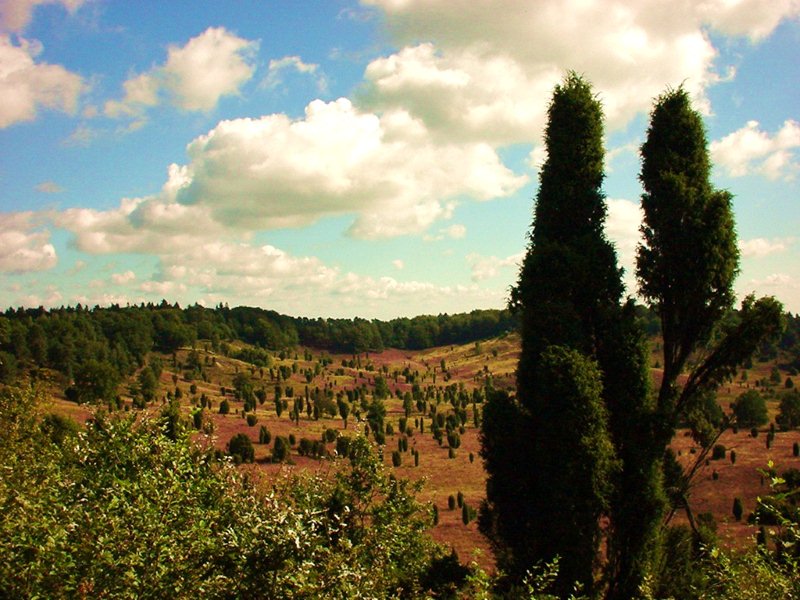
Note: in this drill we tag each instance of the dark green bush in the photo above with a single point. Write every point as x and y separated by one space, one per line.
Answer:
264 436
305 447
280 449
342 445
737 509
241 448
58 427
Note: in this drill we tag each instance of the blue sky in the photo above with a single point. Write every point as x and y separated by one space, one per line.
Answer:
375 158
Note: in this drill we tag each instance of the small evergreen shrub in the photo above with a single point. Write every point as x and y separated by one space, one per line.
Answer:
465 514
241 448
280 449
305 447
342 445
264 436
738 509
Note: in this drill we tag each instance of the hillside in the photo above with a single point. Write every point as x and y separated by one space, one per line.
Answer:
421 390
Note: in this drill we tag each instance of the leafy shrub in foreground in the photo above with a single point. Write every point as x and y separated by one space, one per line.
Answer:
95 511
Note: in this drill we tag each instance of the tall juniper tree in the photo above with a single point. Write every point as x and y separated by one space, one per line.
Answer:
686 266
580 342
688 261
568 296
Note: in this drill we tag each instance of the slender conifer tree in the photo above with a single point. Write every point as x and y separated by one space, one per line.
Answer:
568 295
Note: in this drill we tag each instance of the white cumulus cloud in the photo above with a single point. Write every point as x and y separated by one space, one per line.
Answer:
26 85
485 69
279 66
22 247
214 64
123 278
751 150
276 172
486 267
15 15
622 228
761 247
49 187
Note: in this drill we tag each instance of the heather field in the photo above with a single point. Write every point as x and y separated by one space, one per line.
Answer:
462 369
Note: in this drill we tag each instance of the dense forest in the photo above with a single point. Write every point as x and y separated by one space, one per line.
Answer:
72 340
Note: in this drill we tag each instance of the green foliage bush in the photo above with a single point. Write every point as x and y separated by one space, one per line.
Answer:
57 428
453 439
343 445
197 419
718 452
264 435
125 512
224 407
252 419
280 449
241 448
738 509
313 448
750 409
789 415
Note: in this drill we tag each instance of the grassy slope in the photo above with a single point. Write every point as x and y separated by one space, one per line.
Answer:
467 365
